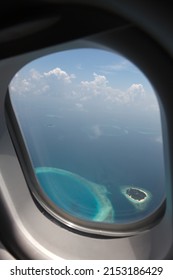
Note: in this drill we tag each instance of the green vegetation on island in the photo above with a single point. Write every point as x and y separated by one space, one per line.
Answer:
137 196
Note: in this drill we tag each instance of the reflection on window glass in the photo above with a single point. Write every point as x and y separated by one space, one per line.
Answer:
91 124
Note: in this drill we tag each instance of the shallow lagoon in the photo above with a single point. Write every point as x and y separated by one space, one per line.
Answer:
76 195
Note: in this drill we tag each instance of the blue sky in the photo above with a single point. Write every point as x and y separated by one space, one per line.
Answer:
83 63
86 76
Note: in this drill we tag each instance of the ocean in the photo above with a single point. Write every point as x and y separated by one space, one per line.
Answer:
96 151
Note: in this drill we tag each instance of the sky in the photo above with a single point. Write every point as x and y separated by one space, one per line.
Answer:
85 77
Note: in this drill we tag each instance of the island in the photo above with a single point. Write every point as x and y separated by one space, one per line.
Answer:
136 194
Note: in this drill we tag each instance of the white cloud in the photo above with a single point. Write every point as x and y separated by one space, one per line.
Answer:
95 86
60 74
35 82
99 87
35 74
94 92
20 85
135 94
136 88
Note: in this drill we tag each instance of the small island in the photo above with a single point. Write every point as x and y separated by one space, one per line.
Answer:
136 194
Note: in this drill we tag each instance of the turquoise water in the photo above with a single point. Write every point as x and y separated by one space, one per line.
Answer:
76 195
87 200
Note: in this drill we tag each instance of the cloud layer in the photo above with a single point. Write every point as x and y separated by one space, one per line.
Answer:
57 82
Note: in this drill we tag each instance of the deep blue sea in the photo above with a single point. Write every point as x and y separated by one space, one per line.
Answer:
106 150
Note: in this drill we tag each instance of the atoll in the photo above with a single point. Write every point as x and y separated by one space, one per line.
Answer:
76 195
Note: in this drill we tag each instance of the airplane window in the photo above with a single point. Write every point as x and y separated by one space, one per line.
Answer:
91 124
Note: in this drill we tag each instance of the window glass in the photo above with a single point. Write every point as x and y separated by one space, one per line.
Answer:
91 124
